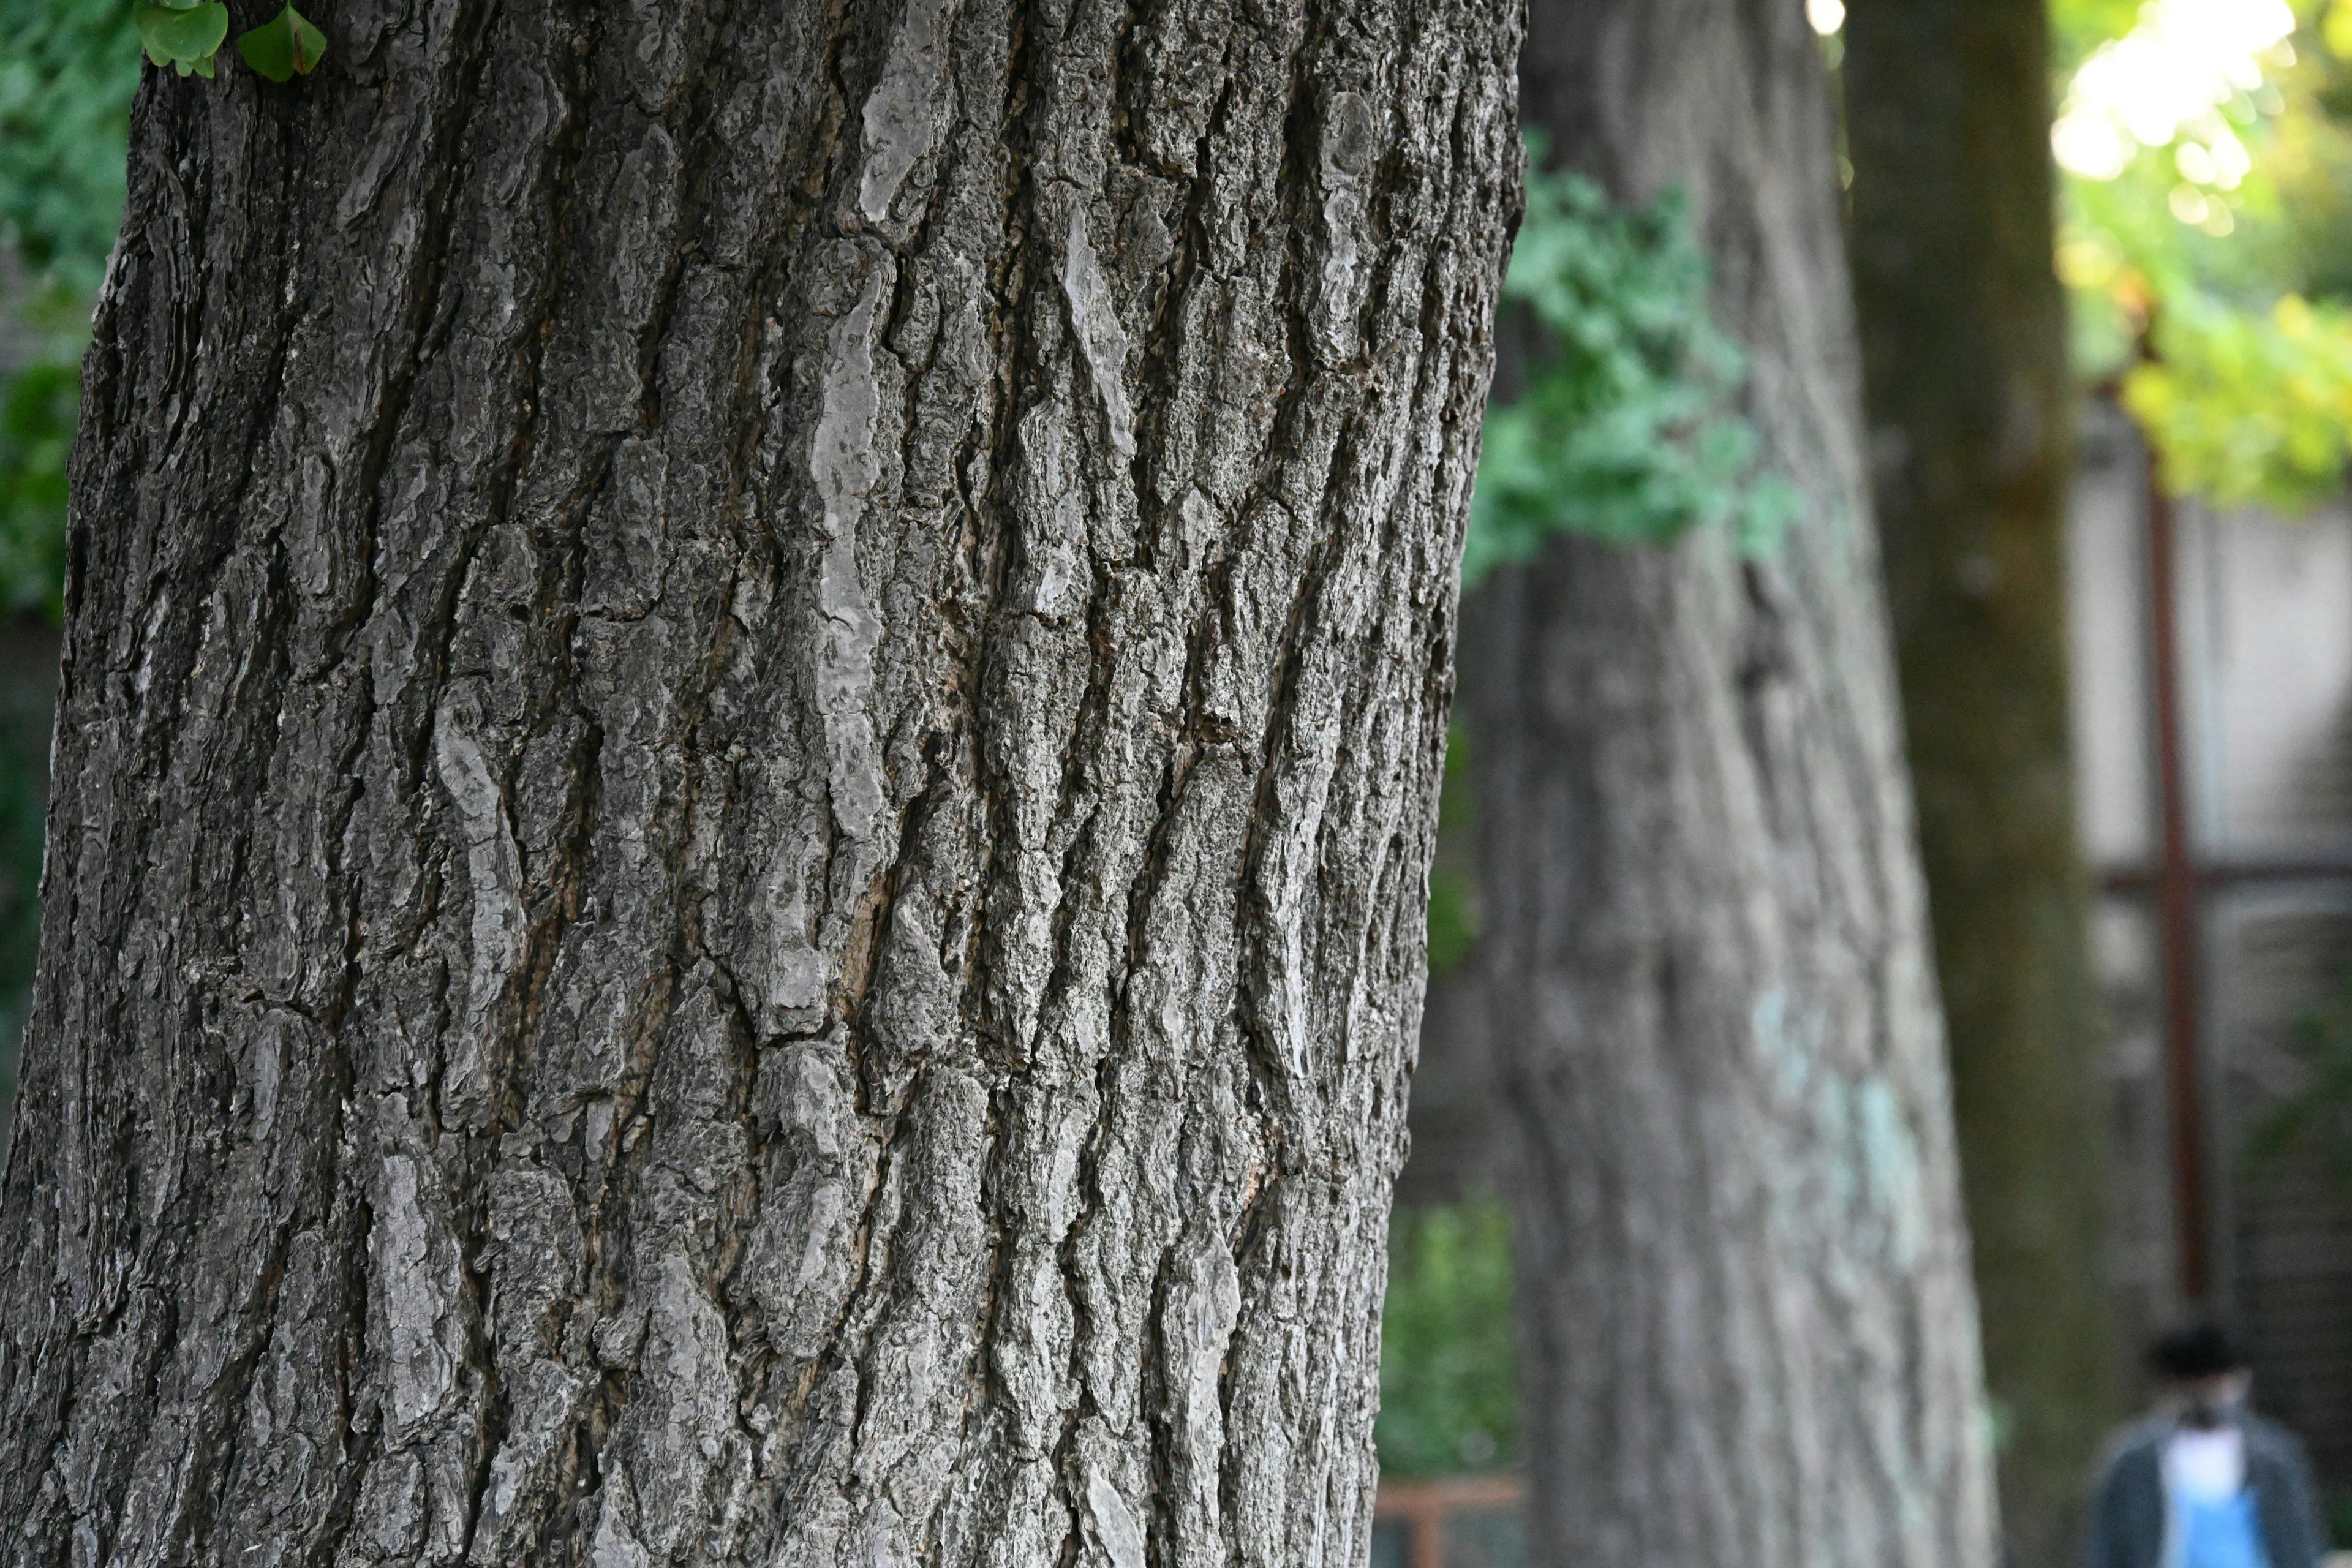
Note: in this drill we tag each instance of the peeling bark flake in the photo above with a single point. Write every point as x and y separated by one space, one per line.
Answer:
1101 339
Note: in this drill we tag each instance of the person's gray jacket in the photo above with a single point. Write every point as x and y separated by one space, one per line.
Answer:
2127 1519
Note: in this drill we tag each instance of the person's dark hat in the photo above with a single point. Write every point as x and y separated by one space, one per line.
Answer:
2194 1350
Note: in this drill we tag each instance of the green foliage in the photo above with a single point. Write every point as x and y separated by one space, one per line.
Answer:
1629 429
66 81
283 47
183 36
24 718
186 34
38 407
1453 887
2078 27
2250 408
1449 1351
2227 252
1453 921
2321 1111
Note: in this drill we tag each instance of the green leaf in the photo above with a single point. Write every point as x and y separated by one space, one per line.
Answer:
185 40
1629 427
283 47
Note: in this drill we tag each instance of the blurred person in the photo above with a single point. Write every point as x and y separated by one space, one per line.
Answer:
2205 1482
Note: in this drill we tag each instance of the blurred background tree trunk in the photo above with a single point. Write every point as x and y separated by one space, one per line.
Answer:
1749 1333
1971 413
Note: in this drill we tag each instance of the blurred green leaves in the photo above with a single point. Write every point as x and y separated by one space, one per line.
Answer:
25 723
1453 921
1628 429
38 408
1453 880
66 83
2078 27
2211 276
66 86
2249 409
1449 1351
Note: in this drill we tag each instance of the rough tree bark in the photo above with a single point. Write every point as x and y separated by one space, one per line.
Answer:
1971 408
1749 1333
752 714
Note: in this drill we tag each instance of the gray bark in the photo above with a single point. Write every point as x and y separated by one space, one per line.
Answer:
751 711
1748 1332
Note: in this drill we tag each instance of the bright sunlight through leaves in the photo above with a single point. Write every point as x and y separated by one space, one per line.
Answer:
2174 70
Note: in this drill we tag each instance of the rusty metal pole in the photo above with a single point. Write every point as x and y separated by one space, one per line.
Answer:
2175 896
1429 1536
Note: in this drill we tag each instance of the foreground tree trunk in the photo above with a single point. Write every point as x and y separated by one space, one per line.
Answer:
1749 1334
1971 407
751 715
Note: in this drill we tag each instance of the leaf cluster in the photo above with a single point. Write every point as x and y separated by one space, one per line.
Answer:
186 34
1630 428
2250 408
2240 284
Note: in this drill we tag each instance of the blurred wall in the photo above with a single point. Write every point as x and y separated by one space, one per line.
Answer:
2264 636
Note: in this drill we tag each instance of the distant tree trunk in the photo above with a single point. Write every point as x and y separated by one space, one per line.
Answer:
1970 408
753 710
1749 1334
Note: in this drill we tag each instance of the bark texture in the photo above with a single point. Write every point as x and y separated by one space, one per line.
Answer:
1971 406
1749 1332
751 717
